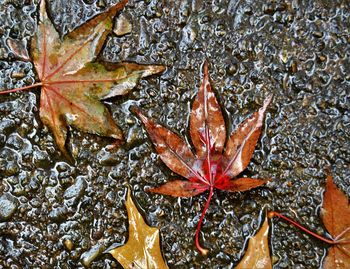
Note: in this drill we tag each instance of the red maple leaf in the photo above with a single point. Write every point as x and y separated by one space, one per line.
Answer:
214 164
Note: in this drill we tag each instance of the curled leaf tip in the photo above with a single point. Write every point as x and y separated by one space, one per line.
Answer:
328 171
155 69
205 68
120 5
138 112
267 101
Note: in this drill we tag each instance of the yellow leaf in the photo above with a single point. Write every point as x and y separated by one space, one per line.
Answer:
257 255
142 249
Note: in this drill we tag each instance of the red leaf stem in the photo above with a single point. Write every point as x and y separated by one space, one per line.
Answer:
202 250
272 214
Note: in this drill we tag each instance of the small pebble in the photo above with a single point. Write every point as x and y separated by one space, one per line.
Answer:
58 214
68 244
76 190
18 75
123 26
89 256
8 206
322 58
317 34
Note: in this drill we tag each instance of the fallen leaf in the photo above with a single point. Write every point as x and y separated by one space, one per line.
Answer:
214 164
142 251
335 214
257 255
72 83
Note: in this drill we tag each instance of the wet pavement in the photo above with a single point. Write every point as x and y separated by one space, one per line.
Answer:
58 215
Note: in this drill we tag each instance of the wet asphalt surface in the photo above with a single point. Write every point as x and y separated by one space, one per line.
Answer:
60 215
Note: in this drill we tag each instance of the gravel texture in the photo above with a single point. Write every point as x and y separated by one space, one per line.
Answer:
54 214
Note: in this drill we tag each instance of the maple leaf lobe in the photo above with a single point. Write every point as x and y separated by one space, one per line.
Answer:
207 125
172 149
241 144
180 188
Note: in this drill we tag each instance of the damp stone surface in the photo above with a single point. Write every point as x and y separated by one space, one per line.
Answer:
55 214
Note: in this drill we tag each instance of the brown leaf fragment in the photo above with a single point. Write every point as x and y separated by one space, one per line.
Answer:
335 215
257 255
142 251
